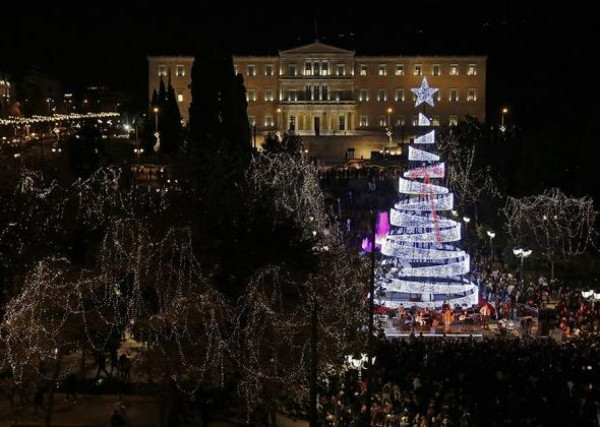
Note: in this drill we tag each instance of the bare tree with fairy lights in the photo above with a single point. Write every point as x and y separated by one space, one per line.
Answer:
555 225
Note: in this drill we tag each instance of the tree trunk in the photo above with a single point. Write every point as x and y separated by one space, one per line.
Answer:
48 419
82 362
313 416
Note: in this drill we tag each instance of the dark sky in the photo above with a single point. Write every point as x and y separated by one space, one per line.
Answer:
538 54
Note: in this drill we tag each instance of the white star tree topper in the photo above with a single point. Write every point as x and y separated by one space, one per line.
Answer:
424 93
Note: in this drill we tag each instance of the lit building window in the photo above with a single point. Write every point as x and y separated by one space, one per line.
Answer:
251 95
293 70
381 95
268 70
400 121
162 71
325 68
418 70
341 70
399 95
308 69
325 93
382 70
435 121
252 120
435 70
399 70
235 69
382 121
316 69
269 95
453 121
179 95
454 70
251 70
415 120
364 121
292 123
292 95
472 70
363 95
438 96
179 70
453 95
269 121
471 95
363 69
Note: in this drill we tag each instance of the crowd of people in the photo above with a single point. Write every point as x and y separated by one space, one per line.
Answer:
430 382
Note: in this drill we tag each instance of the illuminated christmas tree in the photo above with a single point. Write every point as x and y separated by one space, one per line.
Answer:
421 263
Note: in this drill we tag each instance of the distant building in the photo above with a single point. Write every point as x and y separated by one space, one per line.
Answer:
324 91
7 94
101 98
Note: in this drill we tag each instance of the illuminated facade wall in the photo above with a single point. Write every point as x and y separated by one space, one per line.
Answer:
323 86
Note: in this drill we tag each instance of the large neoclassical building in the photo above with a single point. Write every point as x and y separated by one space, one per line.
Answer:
323 91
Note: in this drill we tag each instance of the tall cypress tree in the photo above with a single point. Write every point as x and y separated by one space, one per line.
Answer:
220 152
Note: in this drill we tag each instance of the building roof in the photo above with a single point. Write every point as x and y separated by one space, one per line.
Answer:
316 48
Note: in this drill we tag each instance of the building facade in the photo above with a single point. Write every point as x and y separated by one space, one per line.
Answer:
322 90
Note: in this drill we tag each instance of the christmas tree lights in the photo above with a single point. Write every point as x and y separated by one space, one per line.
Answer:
420 264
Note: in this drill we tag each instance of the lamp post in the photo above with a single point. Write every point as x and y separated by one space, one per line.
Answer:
138 152
466 220
491 235
522 253
502 127
278 118
155 110
389 128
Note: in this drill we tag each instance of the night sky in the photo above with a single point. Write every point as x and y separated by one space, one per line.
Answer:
538 56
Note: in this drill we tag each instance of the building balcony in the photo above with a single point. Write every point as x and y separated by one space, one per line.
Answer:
332 98
316 77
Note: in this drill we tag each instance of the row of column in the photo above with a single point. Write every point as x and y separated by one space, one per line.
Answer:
328 121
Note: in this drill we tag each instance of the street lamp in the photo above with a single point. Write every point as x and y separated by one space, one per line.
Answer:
491 235
155 110
279 118
466 220
389 128
522 253
138 152
502 127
